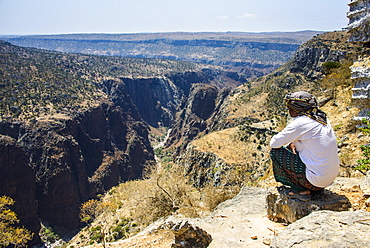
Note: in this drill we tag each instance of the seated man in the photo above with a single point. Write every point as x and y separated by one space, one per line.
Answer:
309 161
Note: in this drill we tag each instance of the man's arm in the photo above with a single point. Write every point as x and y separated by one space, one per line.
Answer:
287 136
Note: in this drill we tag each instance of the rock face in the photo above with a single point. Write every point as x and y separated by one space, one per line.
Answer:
19 183
155 98
327 229
282 209
201 167
358 25
196 114
54 165
360 92
310 57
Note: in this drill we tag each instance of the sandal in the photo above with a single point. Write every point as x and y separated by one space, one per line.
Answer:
296 195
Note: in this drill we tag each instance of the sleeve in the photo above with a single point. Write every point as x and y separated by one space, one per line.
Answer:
288 135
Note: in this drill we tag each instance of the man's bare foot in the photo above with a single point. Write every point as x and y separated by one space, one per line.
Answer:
300 195
306 192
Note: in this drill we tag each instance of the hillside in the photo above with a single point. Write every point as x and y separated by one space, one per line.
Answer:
72 126
240 132
36 83
231 149
76 126
253 54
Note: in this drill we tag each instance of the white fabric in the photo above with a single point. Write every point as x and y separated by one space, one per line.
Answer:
316 145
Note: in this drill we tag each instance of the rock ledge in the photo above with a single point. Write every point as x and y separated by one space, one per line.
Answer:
283 209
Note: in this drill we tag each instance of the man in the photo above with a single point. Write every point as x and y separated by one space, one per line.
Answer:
309 161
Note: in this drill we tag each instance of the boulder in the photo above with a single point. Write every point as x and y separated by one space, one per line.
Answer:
365 183
283 209
327 229
168 234
186 235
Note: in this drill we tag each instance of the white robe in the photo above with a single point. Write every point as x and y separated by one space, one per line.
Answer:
316 145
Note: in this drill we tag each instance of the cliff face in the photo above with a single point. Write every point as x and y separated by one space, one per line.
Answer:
310 57
358 25
191 119
60 163
155 98
158 99
19 183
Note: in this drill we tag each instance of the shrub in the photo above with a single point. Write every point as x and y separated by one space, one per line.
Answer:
364 164
10 235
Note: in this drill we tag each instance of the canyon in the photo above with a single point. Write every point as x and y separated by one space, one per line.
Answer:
58 154
59 151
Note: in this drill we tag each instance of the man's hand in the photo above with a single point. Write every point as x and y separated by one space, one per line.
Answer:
291 147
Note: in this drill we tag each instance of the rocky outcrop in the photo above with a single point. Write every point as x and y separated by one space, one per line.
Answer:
53 165
184 234
358 25
309 57
158 99
201 167
155 98
327 229
283 209
360 92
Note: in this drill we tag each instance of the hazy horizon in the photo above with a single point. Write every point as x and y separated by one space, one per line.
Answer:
43 17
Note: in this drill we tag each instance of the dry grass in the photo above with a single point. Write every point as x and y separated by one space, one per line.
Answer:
139 203
242 107
245 151
224 145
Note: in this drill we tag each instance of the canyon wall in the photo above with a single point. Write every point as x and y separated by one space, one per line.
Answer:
50 167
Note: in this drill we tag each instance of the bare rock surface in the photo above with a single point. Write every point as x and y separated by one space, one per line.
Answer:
280 208
365 183
242 222
238 222
327 229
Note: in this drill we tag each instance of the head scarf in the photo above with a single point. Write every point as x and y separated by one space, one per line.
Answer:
305 104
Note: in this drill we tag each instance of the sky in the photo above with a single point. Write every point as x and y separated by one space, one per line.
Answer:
24 17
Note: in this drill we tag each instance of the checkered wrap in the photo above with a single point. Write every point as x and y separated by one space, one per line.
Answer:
290 170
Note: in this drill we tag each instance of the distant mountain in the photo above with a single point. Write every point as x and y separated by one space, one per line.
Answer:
254 54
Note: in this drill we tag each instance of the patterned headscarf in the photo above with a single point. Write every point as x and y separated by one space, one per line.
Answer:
305 104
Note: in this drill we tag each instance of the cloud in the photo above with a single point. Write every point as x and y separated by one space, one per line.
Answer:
223 17
247 16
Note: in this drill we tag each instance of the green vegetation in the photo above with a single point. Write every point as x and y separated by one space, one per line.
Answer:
364 164
329 66
36 83
165 155
48 235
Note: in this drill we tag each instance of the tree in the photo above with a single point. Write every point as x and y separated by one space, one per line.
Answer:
9 234
91 209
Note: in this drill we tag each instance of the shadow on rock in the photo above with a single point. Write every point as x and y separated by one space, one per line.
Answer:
280 208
